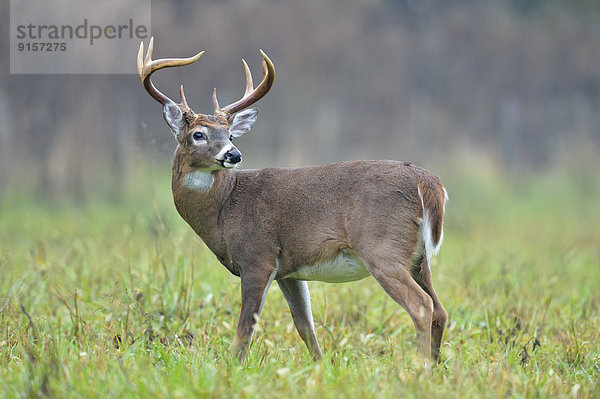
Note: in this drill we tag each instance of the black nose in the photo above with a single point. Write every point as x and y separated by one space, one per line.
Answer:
233 156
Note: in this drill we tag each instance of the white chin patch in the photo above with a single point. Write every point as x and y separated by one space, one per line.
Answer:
229 165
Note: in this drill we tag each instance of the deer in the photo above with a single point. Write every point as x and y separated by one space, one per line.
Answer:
334 223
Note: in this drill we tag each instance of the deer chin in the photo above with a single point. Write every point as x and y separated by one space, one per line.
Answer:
228 165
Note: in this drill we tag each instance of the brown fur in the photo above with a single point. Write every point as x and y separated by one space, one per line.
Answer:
275 220
268 224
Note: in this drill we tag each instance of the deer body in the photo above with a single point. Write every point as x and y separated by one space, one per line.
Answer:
334 223
254 203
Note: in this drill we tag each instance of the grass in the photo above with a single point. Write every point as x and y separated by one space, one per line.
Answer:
122 300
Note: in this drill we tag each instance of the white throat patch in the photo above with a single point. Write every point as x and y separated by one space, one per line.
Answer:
201 181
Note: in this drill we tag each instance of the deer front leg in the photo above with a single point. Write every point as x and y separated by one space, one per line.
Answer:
255 285
298 298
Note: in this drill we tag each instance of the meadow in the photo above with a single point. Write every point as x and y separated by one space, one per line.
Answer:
118 298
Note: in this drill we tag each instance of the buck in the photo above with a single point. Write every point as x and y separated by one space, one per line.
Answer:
334 223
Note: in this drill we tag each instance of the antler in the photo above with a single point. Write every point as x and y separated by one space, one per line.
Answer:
251 95
146 67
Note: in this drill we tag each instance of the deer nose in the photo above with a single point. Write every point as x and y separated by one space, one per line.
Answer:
233 156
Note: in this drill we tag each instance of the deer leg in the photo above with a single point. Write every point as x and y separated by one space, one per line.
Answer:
396 280
422 275
298 298
254 292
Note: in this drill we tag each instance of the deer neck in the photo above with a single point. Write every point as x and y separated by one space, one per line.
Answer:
199 197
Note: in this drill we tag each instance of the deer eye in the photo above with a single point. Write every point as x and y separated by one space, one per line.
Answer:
230 137
198 136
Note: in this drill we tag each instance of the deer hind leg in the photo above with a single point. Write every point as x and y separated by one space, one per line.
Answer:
422 274
396 280
254 292
298 298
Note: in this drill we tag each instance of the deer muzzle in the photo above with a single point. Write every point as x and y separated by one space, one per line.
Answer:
229 157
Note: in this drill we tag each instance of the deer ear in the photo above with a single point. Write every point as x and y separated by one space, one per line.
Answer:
242 122
173 116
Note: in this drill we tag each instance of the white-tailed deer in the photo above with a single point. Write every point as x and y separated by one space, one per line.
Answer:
334 223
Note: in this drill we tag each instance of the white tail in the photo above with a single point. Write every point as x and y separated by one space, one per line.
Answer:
430 244
336 223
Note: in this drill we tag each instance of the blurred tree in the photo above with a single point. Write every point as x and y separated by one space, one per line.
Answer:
517 80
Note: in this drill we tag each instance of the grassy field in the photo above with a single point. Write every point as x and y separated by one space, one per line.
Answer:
120 299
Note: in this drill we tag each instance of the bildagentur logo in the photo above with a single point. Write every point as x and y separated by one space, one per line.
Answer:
85 31
77 37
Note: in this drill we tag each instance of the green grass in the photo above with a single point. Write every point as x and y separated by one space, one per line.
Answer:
122 300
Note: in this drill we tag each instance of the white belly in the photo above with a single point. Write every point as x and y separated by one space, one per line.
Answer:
346 267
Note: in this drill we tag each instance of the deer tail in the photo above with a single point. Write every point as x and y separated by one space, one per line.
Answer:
433 197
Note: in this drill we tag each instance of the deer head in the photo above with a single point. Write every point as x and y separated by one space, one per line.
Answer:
206 140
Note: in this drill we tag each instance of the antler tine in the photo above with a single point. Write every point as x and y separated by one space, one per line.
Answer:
184 103
150 51
140 61
249 84
215 102
249 88
146 67
251 95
